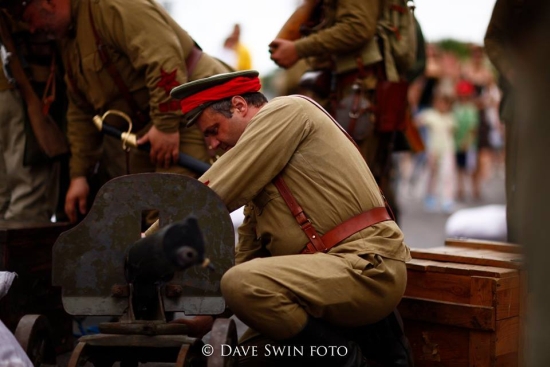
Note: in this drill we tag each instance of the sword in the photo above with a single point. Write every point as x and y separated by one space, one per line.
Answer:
130 140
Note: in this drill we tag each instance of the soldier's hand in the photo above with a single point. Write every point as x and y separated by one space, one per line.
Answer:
199 326
283 52
77 197
164 146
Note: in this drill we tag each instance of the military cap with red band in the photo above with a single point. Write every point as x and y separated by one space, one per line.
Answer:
197 95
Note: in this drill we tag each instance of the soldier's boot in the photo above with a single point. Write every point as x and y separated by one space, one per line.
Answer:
384 343
324 346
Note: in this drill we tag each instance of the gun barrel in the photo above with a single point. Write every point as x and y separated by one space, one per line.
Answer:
155 258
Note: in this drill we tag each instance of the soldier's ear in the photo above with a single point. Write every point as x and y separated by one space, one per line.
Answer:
239 104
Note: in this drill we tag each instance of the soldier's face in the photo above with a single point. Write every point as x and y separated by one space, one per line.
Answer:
220 131
51 17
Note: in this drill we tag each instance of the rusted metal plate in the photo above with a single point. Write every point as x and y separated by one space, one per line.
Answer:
88 260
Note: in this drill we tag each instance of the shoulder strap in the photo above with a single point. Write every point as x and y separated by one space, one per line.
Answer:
315 242
349 138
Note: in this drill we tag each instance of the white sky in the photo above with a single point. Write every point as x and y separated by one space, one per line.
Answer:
209 22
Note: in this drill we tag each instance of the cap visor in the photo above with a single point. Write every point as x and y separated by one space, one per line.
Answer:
192 116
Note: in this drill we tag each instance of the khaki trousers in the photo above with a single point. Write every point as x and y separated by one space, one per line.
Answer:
275 295
26 193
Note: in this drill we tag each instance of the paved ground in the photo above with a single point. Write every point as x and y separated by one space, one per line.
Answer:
424 229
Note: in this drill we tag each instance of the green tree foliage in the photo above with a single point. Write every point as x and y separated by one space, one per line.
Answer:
461 49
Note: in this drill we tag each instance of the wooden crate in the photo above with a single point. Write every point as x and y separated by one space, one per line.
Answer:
26 249
464 304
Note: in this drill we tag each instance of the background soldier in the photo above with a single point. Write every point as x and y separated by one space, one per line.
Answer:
29 175
128 61
349 61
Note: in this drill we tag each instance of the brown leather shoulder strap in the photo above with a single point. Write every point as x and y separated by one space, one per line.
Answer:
340 232
350 139
315 242
329 115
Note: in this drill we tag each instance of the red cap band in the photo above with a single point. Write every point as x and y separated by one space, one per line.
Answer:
234 87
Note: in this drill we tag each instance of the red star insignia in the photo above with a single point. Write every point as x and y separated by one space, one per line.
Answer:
168 80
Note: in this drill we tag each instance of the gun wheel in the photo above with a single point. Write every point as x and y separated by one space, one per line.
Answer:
33 333
224 331
79 356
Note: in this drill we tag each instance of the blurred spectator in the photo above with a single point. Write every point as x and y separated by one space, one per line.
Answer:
421 91
467 121
234 53
476 70
491 98
440 149
420 96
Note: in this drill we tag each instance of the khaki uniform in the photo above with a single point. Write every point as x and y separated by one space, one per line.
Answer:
346 34
28 192
273 288
149 50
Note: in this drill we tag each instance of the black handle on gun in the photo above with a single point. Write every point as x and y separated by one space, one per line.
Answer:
130 140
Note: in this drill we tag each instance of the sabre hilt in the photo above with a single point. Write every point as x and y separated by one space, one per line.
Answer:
130 140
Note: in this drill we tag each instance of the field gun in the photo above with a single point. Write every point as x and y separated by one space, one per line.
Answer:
107 268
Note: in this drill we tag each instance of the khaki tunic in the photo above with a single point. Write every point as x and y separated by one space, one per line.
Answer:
28 186
348 31
331 181
149 50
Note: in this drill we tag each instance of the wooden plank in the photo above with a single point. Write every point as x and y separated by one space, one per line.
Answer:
438 286
507 360
523 310
460 269
483 291
507 303
507 336
484 245
23 233
481 348
473 257
437 345
448 313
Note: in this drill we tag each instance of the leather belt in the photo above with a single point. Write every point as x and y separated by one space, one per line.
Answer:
337 234
349 227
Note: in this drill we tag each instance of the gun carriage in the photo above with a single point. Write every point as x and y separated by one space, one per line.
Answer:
105 268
